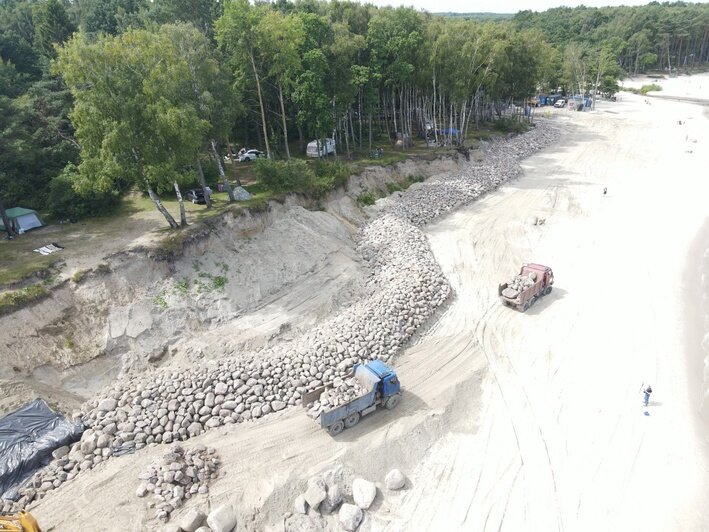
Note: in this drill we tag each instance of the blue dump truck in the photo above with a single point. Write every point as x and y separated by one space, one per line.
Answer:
380 386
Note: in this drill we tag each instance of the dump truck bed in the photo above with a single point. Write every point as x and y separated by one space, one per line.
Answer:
367 379
524 295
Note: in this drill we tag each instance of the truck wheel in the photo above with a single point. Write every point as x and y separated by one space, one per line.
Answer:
525 307
352 420
392 401
336 428
547 290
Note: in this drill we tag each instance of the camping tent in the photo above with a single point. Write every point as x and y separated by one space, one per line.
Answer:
22 219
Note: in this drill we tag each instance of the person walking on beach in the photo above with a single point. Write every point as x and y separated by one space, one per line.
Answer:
605 190
647 391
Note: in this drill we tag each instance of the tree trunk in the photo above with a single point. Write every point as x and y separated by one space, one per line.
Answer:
301 138
233 167
370 131
5 221
393 111
183 216
347 138
283 117
154 197
595 87
160 206
227 186
260 103
360 119
203 184
352 131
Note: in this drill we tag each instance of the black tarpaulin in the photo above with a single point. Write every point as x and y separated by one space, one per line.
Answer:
27 438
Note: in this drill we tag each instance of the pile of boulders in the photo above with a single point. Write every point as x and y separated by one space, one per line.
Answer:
426 201
330 502
518 284
178 476
67 462
221 519
405 288
342 391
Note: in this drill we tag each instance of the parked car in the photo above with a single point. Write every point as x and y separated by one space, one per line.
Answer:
195 195
251 155
560 103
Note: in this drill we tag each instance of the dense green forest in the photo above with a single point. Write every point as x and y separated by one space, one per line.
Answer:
99 97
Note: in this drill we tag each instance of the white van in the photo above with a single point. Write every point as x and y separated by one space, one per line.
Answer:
326 149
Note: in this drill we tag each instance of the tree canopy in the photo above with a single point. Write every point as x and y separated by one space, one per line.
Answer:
106 95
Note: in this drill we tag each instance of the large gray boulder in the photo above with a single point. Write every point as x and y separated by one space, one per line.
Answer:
305 523
332 501
363 493
107 404
315 495
395 480
316 492
192 520
350 516
241 194
300 505
223 519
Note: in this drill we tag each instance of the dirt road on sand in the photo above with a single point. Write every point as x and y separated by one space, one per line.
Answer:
515 421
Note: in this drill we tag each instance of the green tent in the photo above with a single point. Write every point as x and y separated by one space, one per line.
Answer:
22 220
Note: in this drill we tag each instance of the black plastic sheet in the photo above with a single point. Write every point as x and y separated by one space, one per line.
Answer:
27 438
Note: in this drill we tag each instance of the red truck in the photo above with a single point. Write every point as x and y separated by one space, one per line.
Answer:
533 282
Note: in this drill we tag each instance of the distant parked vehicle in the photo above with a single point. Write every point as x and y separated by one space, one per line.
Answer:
251 155
195 195
560 103
317 148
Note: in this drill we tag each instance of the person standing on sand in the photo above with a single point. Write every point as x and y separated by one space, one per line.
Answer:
605 190
647 391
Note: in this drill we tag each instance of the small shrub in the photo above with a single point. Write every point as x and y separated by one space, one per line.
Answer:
160 300
647 88
78 276
510 125
416 178
366 198
69 343
182 287
329 175
394 187
284 176
219 282
295 175
15 299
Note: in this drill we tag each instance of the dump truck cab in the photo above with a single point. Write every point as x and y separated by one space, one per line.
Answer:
545 273
386 377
